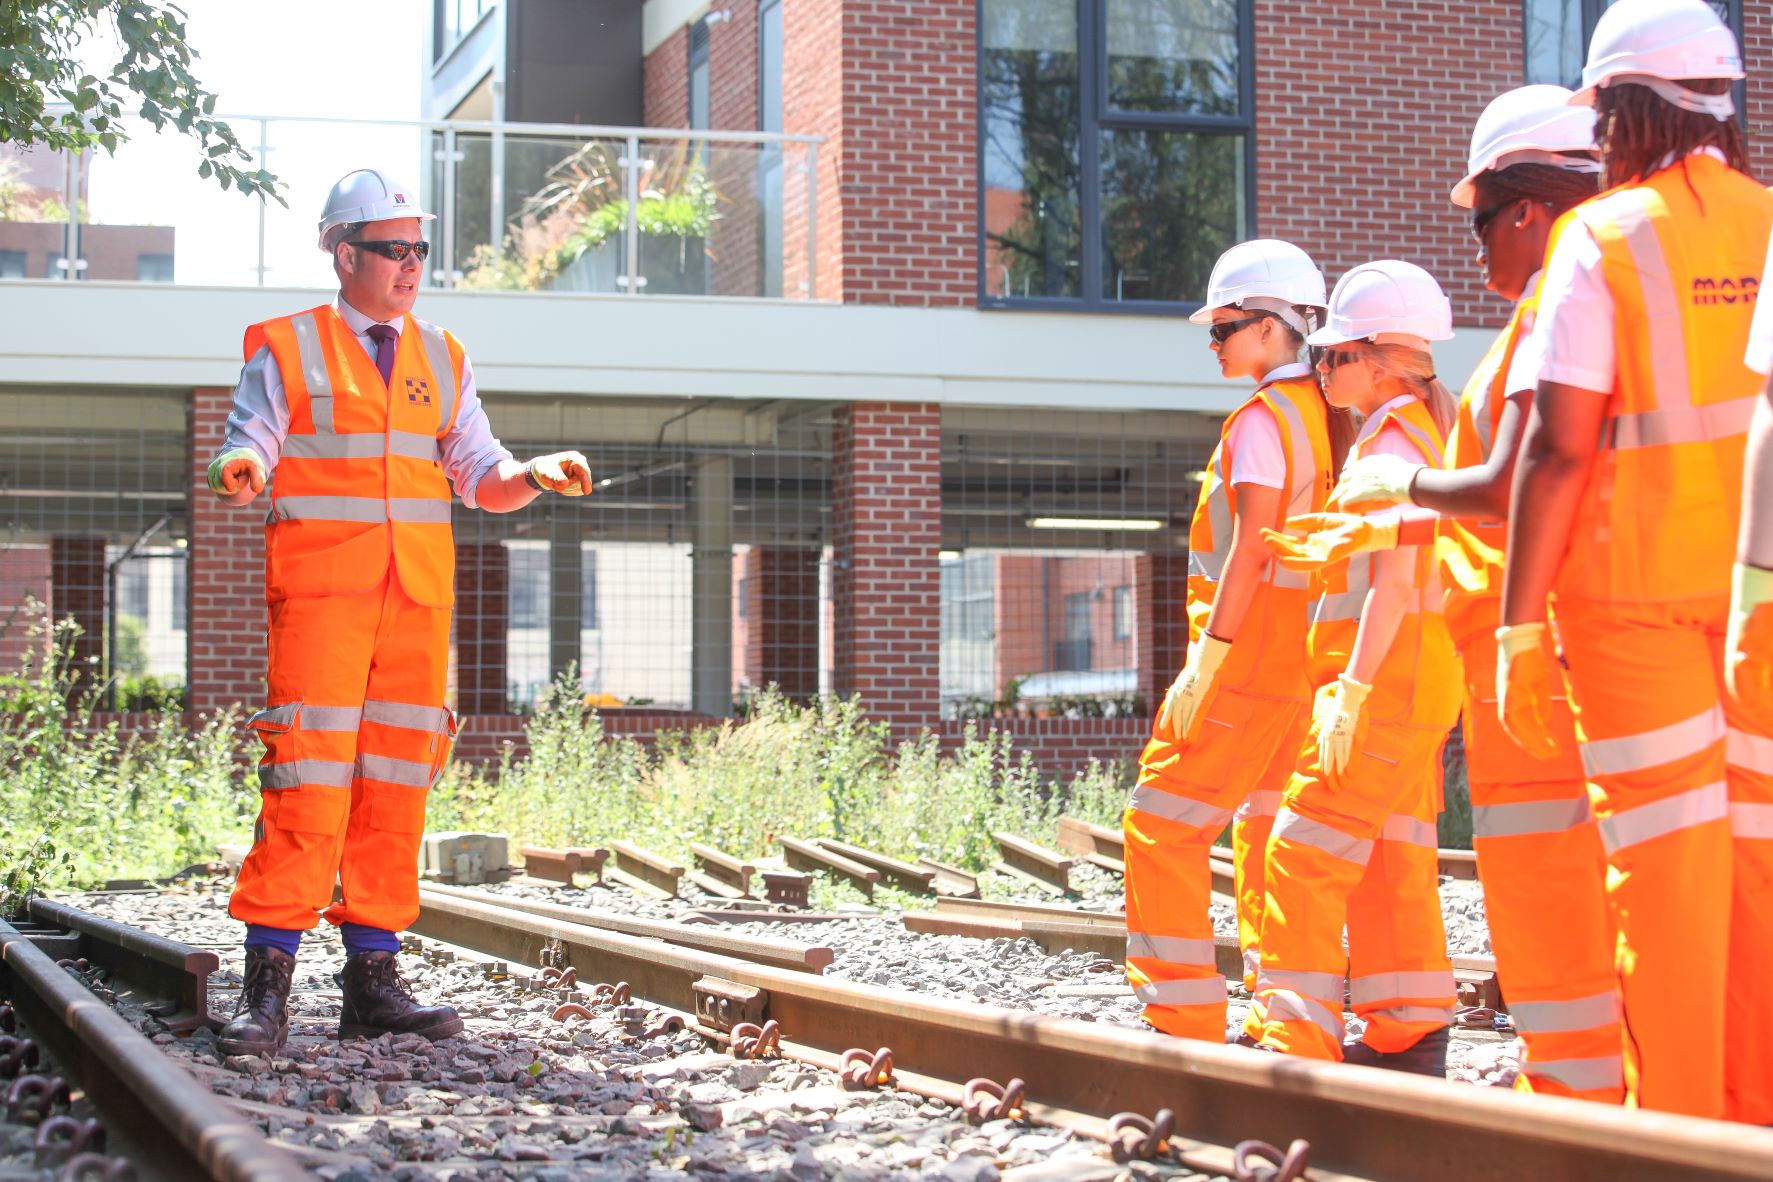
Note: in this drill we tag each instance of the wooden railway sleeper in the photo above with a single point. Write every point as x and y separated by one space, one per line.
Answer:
862 1071
985 1100
1134 1137
62 1137
1274 1166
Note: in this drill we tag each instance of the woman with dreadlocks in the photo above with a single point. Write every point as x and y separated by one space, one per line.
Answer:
1539 852
1623 525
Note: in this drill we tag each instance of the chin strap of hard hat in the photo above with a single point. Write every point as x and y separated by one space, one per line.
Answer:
1718 106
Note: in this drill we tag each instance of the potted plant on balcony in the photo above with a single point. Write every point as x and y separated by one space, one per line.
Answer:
572 234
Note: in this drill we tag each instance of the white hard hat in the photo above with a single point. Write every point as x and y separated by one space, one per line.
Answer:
1266 275
368 195
1389 302
1656 43
1528 125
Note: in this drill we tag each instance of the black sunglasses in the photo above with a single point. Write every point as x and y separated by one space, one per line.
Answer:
395 248
1480 221
1336 358
1224 332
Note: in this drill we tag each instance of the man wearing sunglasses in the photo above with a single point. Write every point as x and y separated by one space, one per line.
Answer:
369 417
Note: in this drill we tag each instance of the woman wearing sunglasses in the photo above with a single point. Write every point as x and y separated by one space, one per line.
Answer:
1354 841
1230 724
1539 852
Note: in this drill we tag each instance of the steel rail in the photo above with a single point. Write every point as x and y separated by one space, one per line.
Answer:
170 1125
1365 1122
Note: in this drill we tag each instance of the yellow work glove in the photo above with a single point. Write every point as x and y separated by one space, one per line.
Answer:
1375 482
235 469
1314 540
564 472
1748 646
1527 679
1339 720
1185 706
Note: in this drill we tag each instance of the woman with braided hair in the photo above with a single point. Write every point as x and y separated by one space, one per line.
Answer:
1539 853
1623 526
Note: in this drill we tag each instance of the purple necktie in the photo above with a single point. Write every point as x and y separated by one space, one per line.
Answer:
387 340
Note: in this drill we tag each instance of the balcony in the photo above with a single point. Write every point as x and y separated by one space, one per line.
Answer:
520 207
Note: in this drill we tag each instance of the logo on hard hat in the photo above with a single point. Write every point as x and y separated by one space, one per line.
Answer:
400 198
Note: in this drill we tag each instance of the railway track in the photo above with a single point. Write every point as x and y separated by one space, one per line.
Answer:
1077 1075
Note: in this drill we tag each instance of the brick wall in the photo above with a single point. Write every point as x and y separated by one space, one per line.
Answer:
1062 747
1757 59
1339 170
812 100
909 148
227 575
24 574
734 260
665 83
77 589
886 537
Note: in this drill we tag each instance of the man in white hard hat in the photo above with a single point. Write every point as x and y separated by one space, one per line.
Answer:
368 417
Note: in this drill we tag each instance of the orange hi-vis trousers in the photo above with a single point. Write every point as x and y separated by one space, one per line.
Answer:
1185 795
1364 856
1544 875
355 733
1682 787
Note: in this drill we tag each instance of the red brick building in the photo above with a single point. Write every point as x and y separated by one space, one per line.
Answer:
907 409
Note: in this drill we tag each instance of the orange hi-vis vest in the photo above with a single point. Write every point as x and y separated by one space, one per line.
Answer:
1681 255
1419 681
1269 656
1470 550
360 483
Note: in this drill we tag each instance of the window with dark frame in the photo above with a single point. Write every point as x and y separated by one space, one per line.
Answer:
1556 33
1123 613
1116 149
698 75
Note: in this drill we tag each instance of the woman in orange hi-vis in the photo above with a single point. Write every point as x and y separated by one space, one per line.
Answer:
1538 849
1388 691
1238 705
368 418
1623 526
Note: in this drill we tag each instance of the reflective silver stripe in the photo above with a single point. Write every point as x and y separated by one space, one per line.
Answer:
284 715
1299 457
314 375
1203 564
1529 817
1252 961
1302 982
1340 605
1683 810
358 445
330 718
363 509
1184 950
1280 576
1290 1007
1219 498
1426 443
413 445
1580 1075
1441 1014
1430 983
394 771
1751 821
442 372
1639 752
429 719
1666 343
1334 842
1192 991
1157 803
1410 831
1711 423
1748 753
274 777
1555 1017
428 509
1264 802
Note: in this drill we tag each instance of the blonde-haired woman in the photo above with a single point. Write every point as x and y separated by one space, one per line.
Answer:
1354 841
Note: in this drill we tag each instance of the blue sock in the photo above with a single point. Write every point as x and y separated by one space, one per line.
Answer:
282 939
360 937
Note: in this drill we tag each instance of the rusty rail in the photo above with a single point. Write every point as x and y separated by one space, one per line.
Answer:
171 980
719 873
1095 844
643 871
162 1119
563 865
1033 864
903 875
1363 1122
805 856
951 882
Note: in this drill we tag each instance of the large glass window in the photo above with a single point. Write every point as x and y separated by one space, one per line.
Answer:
1557 33
769 118
1115 148
698 75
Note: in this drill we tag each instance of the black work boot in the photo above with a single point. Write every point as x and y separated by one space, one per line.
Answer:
261 1020
378 1001
1427 1056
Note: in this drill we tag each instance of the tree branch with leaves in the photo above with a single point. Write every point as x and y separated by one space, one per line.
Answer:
48 99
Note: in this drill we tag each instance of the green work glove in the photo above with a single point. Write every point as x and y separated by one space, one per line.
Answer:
235 469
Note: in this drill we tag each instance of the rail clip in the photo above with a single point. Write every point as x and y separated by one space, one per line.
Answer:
751 1041
33 1099
861 1070
984 1100
62 1137
1132 1137
1276 1167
